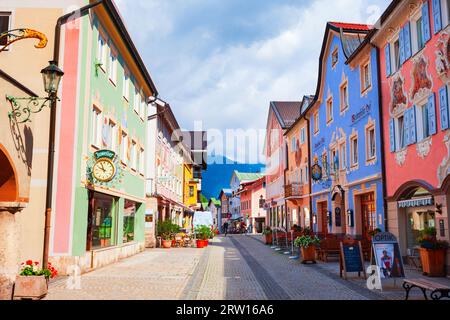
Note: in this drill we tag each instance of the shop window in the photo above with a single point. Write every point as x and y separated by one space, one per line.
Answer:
329 110
129 214
5 21
101 220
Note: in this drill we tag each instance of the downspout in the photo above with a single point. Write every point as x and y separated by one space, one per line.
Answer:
382 137
51 145
309 174
286 154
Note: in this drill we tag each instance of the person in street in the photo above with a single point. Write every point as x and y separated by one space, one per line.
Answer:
225 228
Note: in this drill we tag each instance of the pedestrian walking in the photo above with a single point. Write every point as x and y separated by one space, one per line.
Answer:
225 228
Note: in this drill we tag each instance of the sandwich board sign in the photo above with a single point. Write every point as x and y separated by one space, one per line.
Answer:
388 259
351 259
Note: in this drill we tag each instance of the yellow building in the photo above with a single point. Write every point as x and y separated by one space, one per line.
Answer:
190 198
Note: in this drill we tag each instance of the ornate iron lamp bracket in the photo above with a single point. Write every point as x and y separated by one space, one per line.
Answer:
23 108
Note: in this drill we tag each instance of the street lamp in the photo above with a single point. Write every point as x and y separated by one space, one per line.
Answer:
52 77
23 108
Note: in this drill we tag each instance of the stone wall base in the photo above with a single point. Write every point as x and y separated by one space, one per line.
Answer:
96 259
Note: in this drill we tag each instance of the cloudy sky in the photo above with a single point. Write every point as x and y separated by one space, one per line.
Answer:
223 61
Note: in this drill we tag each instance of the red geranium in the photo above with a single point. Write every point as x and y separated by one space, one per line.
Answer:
29 262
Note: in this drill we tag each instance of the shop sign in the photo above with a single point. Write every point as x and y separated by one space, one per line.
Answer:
105 154
319 144
414 203
361 114
104 169
351 259
387 256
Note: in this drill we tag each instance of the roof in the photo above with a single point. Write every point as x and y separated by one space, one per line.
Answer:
249 183
226 192
287 112
114 13
351 26
248 176
216 202
304 107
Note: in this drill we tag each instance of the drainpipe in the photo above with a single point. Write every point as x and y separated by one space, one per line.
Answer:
309 175
383 162
51 145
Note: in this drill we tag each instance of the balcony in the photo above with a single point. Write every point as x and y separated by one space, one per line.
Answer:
293 190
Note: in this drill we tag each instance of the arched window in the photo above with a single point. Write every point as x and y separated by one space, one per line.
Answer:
8 184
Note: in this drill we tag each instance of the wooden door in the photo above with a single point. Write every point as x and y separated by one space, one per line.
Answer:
323 213
369 220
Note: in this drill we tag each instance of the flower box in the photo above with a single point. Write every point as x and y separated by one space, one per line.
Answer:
433 262
268 239
30 287
308 254
202 244
167 244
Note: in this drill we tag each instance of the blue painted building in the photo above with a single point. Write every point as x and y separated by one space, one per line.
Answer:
345 151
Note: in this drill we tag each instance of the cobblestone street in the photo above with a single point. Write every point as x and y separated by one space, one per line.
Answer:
232 268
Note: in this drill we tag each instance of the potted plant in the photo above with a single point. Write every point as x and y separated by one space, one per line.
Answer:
166 230
203 233
268 235
432 253
32 282
307 245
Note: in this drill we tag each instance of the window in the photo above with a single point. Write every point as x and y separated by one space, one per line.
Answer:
303 135
423 122
137 101
395 47
96 126
129 214
112 67
124 149
334 58
306 175
126 86
344 97
334 161
366 77
343 156
112 135
103 216
354 151
329 110
141 161
5 19
142 108
371 143
419 36
133 155
401 133
191 191
294 144
316 123
102 52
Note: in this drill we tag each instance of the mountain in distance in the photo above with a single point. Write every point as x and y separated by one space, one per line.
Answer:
218 175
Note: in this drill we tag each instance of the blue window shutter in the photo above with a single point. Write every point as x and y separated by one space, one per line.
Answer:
392 134
437 17
401 41
407 41
406 128
387 55
426 31
432 114
412 126
443 107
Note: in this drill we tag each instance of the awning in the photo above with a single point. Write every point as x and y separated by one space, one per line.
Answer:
414 203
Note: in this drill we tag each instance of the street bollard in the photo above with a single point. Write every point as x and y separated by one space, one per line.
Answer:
293 255
277 248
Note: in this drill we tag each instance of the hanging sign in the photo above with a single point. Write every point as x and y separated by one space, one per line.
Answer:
351 260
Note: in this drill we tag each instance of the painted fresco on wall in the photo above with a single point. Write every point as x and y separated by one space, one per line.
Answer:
422 83
399 100
443 56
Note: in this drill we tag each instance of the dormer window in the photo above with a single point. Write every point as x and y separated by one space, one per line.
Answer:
334 58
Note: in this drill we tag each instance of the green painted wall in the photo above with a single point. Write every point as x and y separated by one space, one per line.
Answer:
113 104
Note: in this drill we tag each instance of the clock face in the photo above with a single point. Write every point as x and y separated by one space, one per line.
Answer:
104 170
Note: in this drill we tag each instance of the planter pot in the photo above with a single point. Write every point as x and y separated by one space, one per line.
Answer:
433 262
308 254
31 288
269 239
167 244
202 244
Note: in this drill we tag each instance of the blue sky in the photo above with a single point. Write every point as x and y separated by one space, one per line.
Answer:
223 61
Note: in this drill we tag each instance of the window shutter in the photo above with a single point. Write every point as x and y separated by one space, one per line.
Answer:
432 114
426 22
412 126
443 107
406 128
392 134
387 56
437 17
407 41
401 41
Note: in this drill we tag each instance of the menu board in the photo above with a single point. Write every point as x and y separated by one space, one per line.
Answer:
351 259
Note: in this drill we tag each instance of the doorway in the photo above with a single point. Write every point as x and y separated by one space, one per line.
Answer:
369 215
8 182
323 214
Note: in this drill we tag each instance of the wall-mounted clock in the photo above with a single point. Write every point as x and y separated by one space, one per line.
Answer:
104 170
